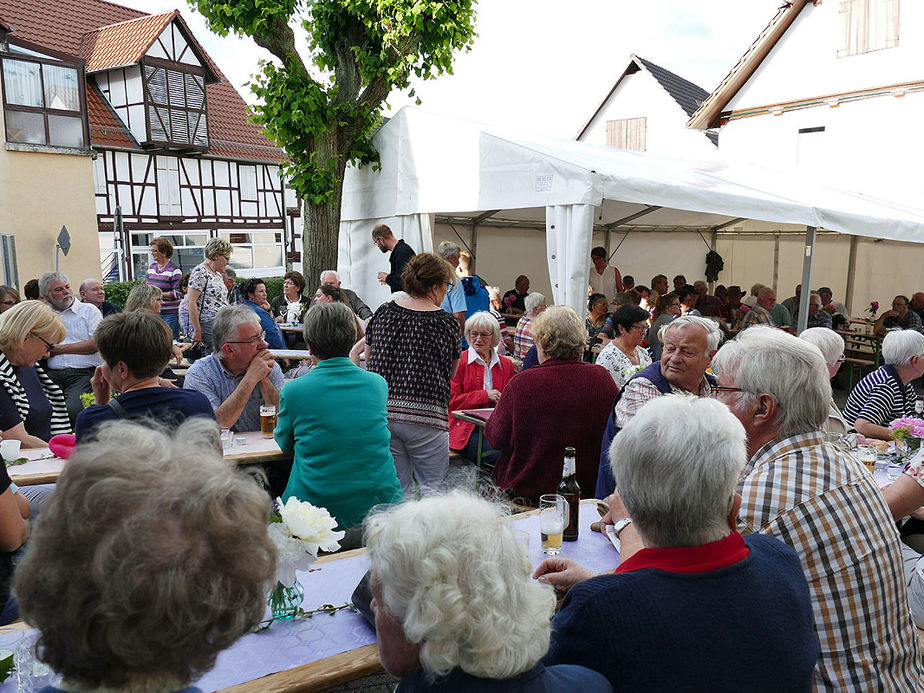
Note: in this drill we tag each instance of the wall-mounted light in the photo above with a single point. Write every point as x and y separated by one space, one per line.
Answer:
776 111
833 102
898 92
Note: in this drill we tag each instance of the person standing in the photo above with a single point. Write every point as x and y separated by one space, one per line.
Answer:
166 276
207 292
400 251
454 303
604 278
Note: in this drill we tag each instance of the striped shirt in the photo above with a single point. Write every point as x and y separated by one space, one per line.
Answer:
523 338
640 391
879 398
168 281
821 501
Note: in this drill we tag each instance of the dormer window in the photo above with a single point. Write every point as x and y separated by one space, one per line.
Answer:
174 97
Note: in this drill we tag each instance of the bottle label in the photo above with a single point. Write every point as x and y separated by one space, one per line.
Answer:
569 467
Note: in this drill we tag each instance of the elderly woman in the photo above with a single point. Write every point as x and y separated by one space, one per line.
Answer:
597 313
831 345
135 347
313 425
887 393
562 402
291 305
254 293
207 292
523 338
415 346
32 408
494 296
145 297
479 382
667 308
166 276
455 608
134 577
687 569
9 297
625 355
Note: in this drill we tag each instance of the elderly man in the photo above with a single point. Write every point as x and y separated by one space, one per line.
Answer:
899 318
689 342
685 570
887 394
708 306
816 316
331 278
454 303
92 291
834 307
514 300
604 278
229 277
400 251
241 375
820 501
916 305
71 363
760 313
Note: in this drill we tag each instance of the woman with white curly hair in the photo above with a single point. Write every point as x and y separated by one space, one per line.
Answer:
455 608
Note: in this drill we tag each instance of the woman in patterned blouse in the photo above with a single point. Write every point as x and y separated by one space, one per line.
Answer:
624 355
207 292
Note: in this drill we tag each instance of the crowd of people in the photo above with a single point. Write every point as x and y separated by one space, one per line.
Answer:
737 518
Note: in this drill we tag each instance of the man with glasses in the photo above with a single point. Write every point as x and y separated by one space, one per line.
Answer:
899 318
819 500
71 363
241 375
400 251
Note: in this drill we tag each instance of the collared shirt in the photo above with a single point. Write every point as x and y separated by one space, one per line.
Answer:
473 357
821 501
758 315
880 397
81 320
820 319
911 321
603 283
690 559
212 379
640 391
523 338
455 299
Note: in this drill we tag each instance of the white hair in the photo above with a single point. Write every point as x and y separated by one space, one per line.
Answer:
456 579
485 321
533 301
829 342
399 296
815 294
333 272
448 249
900 346
713 333
493 292
766 360
676 465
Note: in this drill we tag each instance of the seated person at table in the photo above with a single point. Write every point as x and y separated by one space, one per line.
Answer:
514 300
328 293
32 407
334 419
150 297
624 355
831 346
887 393
477 384
135 347
455 608
689 588
898 318
816 316
524 337
562 402
241 375
254 293
15 510
291 305
151 557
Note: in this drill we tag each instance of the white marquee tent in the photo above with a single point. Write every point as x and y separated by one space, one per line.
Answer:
434 165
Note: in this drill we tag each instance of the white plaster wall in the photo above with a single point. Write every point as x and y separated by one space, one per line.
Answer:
640 95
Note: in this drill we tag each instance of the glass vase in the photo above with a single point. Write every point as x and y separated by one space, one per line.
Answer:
284 601
913 443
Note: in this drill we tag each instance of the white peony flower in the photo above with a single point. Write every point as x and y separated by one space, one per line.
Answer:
313 526
290 552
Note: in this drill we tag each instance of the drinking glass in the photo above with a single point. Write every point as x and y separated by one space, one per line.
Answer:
267 420
553 516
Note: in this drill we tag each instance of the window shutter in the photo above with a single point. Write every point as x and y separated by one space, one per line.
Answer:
627 133
168 186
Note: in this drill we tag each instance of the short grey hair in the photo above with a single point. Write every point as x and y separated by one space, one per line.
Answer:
230 273
485 321
900 346
766 360
455 577
711 327
829 342
330 330
763 291
815 294
46 279
678 488
217 246
493 292
333 272
533 301
226 322
134 574
448 249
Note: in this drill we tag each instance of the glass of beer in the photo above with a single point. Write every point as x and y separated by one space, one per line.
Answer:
553 516
267 420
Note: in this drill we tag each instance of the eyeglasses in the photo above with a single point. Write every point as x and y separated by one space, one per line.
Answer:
718 389
253 340
225 256
640 328
48 345
841 359
480 335
450 286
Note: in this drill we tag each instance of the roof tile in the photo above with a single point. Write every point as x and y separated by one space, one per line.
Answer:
687 95
124 43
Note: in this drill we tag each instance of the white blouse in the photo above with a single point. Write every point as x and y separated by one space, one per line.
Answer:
613 359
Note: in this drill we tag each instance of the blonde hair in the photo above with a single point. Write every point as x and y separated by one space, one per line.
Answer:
29 316
217 246
560 333
142 297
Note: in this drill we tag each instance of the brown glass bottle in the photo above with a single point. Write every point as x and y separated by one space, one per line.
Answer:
569 488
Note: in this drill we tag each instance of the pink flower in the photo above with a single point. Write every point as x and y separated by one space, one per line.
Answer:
509 301
874 305
914 426
744 308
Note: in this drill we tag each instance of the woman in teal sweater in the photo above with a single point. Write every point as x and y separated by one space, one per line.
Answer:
334 421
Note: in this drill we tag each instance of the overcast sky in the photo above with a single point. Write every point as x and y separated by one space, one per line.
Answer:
545 65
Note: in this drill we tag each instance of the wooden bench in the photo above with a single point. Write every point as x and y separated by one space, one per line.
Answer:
862 354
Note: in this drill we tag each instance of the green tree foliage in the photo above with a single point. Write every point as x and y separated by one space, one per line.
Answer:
364 49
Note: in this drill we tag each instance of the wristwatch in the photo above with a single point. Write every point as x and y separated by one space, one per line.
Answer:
621 525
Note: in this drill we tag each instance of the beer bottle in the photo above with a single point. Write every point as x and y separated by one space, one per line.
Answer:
568 487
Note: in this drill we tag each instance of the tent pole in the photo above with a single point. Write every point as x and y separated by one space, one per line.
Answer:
851 270
808 265
776 262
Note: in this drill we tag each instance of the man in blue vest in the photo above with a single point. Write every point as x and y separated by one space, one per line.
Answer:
690 342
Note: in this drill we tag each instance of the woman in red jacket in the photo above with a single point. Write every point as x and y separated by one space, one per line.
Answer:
474 386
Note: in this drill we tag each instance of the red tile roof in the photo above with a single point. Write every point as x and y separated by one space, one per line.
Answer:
65 25
124 43
106 130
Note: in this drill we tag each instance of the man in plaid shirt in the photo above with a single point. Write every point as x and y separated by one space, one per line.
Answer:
820 501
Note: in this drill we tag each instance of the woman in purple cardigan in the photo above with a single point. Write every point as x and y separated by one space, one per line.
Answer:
166 276
562 402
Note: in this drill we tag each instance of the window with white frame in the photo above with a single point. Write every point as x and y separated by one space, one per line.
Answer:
627 133
188 248
255 250
868 25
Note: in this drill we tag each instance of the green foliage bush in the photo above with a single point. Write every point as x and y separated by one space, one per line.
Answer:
117 292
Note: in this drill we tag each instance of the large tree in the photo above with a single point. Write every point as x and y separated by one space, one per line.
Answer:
361 50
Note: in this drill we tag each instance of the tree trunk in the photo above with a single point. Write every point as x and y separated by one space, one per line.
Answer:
321 231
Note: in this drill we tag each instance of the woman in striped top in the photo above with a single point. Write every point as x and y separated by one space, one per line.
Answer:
166 276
